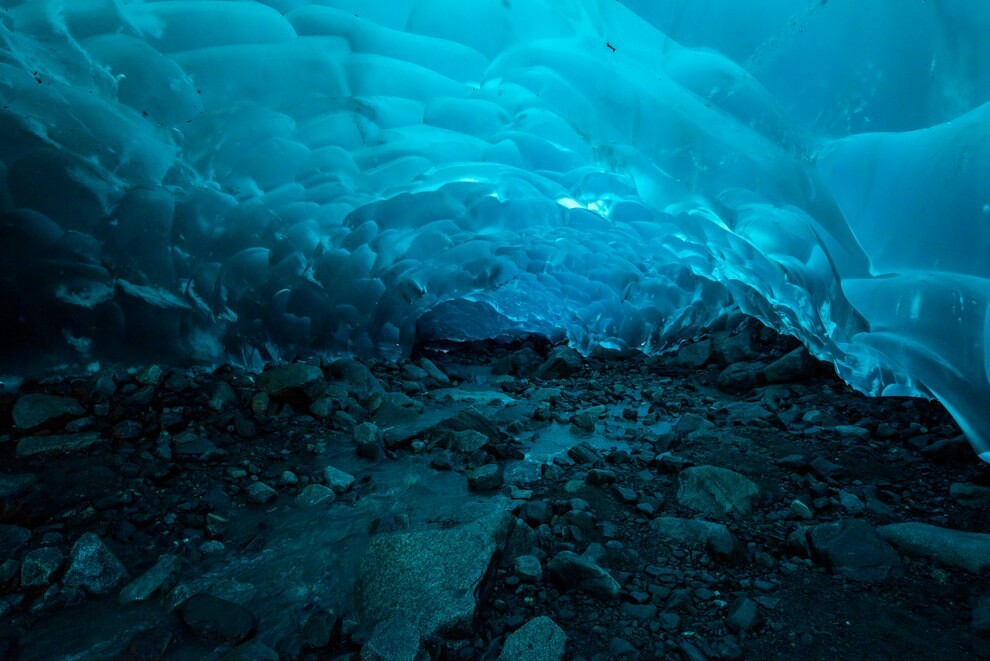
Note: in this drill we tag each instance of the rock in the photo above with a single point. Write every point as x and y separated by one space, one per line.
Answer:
338 480
253 650
394 639
39 566
38 410
743 616
732 349
561 362
528 568
358 379
315 495
970 495
485 478
93 567
432 577
955 548
540 639
217 619
260 493
434 372
48 446
368 440
321 630
160 578
149 376
716 491
714 536
583 421
851 503
691 423
694 355
12 486
468 441
280 380
572 571
981 616
740 377
12 540
794 366
851 548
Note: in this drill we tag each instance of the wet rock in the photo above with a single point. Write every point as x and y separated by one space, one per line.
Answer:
394 639
794 366
368 441
59 444
160 578
694 355
315 495
716 491
713 536
12 486
338 480
149 376
743 616
852 548
692 423
485 478
434 372
39 410
280 380
583 421
540 639
358 379
955 548
561 363
39 566
572 571
12 540
217 619
93 567
433 577
528 568
970 495
260 493
740 377
468 441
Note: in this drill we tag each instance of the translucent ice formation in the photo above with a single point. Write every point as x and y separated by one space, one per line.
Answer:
192 179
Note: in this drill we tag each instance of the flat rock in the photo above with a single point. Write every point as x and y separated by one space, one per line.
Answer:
572 571
394 639
160 578
485 478
852 548
694 355
740 377
217 619
338 480
12 486
57 444
37 410
315 495
716 491
432 577
94 567
279 380
696 532
955 548
540 639
39 566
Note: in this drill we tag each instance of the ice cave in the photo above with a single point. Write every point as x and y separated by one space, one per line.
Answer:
704 276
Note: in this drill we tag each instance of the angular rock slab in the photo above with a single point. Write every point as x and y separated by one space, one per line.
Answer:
716 491
432 578
58 444
851 548
713 536
575 572
540 639
955 548
94 567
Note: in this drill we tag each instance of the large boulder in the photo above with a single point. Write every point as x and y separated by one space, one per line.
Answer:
794 366
93 567
540 639
577 572
715 537
955 548
38 410
432 578
561 363
852 549
357 378
716 491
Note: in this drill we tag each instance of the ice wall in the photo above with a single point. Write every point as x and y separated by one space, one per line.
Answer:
191 179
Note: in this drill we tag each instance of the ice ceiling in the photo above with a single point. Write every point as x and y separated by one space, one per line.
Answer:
193 179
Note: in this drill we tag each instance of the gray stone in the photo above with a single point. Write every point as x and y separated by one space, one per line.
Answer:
338 480
468 441
94 567
716 491
740 377
970 495
955 548
160 578
394 639
528 568
691 423
561 363
572 571
279 380
485 478
743 616
47 446
315 495
37 410
431 577
540 639
434 372
12 486
794 366
261 493
368 439
694 355
713 536
39 566
357 378
852 548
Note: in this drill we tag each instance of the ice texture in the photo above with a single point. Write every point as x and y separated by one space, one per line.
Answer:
201 180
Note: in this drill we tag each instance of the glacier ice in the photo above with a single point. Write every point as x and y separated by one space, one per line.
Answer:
195 179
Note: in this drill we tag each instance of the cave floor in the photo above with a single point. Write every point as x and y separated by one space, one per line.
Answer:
186 514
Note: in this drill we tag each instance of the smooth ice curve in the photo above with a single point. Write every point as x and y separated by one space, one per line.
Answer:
192 179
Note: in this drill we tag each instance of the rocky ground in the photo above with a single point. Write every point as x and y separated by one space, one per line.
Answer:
731 500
